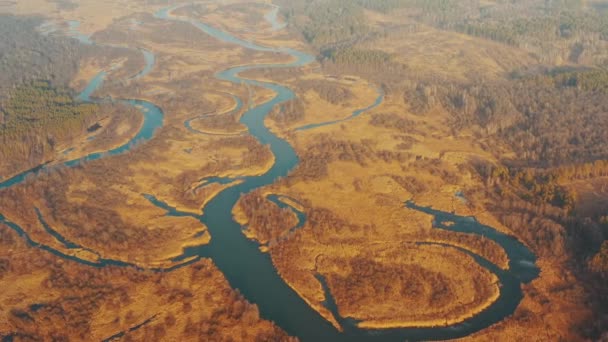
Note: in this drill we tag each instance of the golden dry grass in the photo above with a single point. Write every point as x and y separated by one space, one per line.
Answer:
365 196
429 51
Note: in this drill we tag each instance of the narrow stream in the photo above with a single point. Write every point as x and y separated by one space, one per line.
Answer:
236 109
152 120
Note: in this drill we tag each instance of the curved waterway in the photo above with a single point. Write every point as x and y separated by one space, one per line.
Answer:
238 105
150 60
152 120
251 271
153 116
355 114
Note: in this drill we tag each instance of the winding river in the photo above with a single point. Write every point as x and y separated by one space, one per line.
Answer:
251 271
238 106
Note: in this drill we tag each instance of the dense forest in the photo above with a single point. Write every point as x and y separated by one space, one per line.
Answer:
26 55
548 119
39 120
549 116
35 118
327 22
38 112
535 205
568 30
38 105
35 114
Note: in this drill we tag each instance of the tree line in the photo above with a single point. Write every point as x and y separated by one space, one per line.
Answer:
36 118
